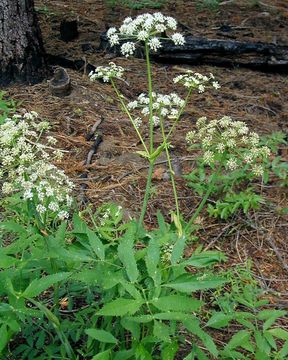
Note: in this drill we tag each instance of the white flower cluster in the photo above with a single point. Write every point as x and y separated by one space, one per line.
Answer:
163 106
26 166
106 73
197 81
166 253
231 139
145 27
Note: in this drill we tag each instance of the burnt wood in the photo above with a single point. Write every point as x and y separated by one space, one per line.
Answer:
227 53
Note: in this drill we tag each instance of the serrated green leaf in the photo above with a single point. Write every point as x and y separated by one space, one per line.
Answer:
7 261
126 255
270 316
233 355
101 335
50 316
161 222
204 259
141 319
104 355
260 340
131 326
267 314
177 303
74 255
269 338
13 227
87 276
193 326
141 353
120 307
173 316
112 278
219 320
196 353
20 244
79 225
260 355
61 233
237 339
4 338
152 260
96 244
196 283
161 331
247 345
178 250
279 333
131 289
124 354
283 353
177 316
169 351
37 286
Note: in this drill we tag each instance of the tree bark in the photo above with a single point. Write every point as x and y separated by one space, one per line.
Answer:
21 48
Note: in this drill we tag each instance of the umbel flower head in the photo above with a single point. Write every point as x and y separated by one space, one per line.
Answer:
106 73
26 166
231 141
145 27
164 106
198 81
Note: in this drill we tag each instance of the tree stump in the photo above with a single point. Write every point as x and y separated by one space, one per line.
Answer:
60 84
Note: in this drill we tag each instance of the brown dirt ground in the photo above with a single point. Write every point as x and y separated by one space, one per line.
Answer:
118 175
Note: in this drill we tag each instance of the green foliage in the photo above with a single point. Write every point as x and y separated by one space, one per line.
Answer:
7 107
130 301
233 202
212 5
200 180
278 167
227 185
136 5
259 335
44 10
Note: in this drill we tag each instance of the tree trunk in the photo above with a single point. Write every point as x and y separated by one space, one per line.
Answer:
21 49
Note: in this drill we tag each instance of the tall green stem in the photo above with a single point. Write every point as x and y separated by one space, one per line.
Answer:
151 136
147 193
171 171
150 90
205 198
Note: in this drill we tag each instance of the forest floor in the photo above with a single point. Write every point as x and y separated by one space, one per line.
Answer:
118 175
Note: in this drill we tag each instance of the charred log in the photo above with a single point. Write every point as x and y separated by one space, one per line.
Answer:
227 53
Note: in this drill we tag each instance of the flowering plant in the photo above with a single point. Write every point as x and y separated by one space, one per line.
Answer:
162 110
27 169
232 141
227 145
